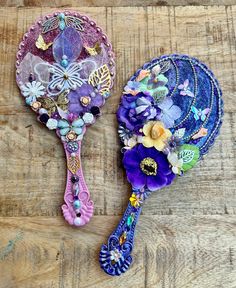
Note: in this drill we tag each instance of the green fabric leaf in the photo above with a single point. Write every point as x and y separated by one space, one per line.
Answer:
162 80
159 93
190 155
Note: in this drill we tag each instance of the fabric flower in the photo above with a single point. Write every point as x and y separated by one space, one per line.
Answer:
175 162
142 75
135 200
155 135
84 98
132 88
131 142
32 90
172 144
115 255
169 112
52 124
135 110
147 168
124 133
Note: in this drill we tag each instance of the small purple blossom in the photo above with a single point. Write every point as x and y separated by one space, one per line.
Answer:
169 112
135 110
172 145
132 86
147 168
84 98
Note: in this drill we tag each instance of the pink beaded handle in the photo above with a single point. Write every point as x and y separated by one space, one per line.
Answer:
65 70
78 207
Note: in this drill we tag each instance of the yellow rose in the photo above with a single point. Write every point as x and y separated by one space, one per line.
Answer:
155 135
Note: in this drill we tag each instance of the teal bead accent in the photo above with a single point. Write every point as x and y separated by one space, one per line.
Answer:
61 16
129 220
76 204
64 63
62 25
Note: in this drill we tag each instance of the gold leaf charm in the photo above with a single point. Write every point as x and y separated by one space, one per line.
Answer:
40 43
73 164
93 51
102 78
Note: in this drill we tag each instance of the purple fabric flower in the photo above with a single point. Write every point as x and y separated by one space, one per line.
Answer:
147 168
169 112
132 86
84 98
135 110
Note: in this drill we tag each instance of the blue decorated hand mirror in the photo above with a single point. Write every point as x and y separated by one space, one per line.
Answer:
169 116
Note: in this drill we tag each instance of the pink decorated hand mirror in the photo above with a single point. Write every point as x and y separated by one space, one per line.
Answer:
65 70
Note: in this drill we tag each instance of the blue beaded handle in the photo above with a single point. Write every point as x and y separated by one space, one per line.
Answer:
115 257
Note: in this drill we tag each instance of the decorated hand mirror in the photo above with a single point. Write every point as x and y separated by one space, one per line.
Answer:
169 116
65 70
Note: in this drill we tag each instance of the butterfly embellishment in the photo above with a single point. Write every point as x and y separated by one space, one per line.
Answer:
185 91
52 105
93 51
200 114
40 43
61 21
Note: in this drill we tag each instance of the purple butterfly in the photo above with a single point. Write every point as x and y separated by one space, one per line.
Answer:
185 89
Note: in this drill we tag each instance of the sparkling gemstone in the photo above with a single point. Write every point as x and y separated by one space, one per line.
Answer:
72 146
122 238
74 178
129 220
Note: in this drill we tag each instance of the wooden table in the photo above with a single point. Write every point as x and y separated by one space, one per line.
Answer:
187 233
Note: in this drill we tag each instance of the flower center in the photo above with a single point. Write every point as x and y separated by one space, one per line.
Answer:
85 100
157 131
149 166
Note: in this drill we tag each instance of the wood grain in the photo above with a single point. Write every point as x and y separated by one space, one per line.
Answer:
187 233
111 3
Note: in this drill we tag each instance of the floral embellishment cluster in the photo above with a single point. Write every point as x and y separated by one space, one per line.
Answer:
65 94
154 151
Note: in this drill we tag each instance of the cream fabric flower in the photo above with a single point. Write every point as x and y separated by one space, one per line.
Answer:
155 135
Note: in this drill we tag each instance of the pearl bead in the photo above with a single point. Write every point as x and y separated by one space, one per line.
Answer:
77 221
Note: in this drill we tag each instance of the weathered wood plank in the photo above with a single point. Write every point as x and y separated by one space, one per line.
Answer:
171 252
28 185
181 241
112 3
